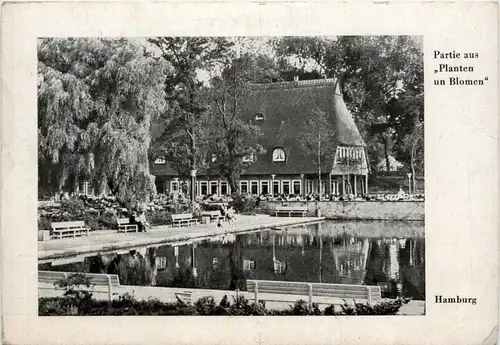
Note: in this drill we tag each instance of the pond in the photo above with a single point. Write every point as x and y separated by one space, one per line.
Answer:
388 254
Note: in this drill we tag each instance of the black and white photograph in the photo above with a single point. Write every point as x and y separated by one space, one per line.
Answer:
246 175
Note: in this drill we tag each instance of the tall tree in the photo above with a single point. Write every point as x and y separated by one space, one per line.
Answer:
235 141
184 132
317 139
413 146
96 100
381 74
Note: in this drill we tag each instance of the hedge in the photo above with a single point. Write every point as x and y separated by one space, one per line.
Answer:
240 306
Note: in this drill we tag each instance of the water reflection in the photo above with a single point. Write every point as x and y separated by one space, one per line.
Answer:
389 254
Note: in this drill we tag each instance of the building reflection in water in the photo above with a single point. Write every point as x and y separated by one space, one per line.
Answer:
331 252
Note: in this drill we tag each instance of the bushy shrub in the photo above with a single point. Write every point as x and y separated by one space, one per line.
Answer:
128 305
77 297
243 204
181 208
98 217
107 219
330 310
209 207
75 209
44 223
205 306
301 307
242 306
383 308
159 217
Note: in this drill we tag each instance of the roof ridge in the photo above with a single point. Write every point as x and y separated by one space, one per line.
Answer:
293 84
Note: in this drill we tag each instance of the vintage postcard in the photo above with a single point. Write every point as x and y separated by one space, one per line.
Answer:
224 167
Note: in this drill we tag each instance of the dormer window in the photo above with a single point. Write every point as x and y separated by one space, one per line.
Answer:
160 160
278 155
259 117
247 158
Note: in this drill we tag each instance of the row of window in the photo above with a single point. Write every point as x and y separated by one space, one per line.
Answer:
349 152
271 187
252 187
202 187
265 187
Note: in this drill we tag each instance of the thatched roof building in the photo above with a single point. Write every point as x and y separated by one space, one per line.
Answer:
285 109
284 112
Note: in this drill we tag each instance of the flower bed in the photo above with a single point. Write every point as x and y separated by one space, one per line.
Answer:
101 213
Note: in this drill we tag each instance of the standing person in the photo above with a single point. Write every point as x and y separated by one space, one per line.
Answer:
230 215
223 213
143 221
223 210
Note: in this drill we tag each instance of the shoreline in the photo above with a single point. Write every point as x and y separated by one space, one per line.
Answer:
76 249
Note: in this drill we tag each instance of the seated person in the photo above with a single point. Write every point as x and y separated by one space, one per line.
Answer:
401 193
134 219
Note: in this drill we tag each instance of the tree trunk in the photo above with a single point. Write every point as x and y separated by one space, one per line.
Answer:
412 165
232 180
414 180
319 164
234 186
193 162
114 191
386 153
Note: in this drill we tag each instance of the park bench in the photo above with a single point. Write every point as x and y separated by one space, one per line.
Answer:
339 292
183 219
215 216
184 296
69 229
100 283
291 210
125 226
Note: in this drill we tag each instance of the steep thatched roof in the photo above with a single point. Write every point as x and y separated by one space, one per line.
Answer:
286 108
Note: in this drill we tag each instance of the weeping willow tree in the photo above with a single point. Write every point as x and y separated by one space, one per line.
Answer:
96 101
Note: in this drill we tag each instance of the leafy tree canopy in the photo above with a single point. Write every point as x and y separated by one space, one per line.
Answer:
383 77
183 131
235 140
96 100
